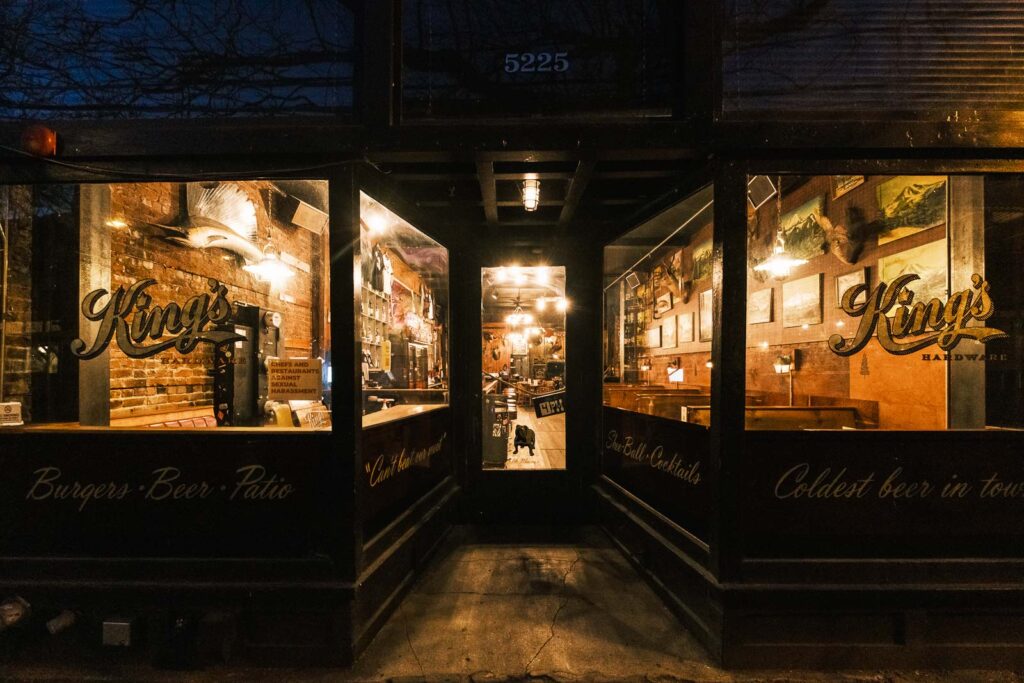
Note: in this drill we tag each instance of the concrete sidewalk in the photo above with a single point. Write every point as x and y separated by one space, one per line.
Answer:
501 612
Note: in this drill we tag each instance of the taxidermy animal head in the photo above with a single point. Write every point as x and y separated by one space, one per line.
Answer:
845 243
685 290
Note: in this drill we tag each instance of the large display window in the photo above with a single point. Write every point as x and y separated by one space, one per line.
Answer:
884 302
658 320
165 305
401 316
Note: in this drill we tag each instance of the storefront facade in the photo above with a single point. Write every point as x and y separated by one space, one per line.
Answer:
243 353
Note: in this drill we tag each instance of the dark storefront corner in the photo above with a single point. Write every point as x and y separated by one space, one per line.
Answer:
581 340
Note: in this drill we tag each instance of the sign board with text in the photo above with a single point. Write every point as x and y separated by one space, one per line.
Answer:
547 405
294 379
662 462
881 494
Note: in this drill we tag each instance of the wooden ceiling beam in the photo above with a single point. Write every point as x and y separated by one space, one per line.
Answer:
488 190
577 186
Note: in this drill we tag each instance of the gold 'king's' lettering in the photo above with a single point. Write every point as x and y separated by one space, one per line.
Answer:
932 322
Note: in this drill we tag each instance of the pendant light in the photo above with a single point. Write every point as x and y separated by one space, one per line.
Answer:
779 264
270 268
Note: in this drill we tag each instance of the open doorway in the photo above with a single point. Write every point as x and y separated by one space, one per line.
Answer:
523 345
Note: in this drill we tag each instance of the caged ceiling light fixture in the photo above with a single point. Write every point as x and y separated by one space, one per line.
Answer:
780 264
531 193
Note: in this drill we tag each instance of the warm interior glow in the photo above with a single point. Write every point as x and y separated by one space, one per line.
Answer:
270 269
783 365
562 304
116 222
377 222
780 264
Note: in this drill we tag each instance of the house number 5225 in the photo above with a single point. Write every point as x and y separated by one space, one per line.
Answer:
536 62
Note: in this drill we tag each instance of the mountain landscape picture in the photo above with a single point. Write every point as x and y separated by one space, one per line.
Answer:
911 204
801 228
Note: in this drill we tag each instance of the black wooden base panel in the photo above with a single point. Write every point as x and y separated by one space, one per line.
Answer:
819 626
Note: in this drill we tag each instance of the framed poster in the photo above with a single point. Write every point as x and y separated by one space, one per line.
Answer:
654 337
668 333
841 184
801 302
702 261
847 280
928 262
911 204
684 328
706 316
663 304
759 307
801 228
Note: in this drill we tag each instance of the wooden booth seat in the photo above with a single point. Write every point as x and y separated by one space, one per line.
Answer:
626 396
787 417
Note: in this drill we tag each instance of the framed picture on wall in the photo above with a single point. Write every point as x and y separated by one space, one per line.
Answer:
928 261
910 204
801 302
706 318
848 280
668 333
759 307
654 337
663 304
841 184
801 228
701 261
684 328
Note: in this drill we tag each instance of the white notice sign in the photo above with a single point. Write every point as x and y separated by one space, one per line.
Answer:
294 379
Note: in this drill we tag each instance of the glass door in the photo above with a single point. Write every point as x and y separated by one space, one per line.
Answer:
523 311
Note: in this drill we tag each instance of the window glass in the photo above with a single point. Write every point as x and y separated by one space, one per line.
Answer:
173 305
401 316
845 59
536 57
884 302
123 59
658 322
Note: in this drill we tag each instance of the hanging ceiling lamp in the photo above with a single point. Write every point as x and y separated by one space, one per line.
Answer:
780 264
270 268
517 317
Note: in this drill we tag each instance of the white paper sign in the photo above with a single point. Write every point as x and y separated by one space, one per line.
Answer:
10 414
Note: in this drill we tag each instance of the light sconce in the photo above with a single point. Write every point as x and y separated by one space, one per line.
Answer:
675 373
783 365
531 194
786 365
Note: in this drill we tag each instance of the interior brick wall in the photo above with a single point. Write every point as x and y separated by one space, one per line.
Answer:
16 214
170 382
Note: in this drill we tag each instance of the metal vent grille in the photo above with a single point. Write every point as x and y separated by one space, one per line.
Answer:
928 58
